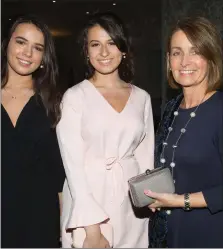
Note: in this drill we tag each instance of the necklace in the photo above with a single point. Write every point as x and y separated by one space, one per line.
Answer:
175 145
14 97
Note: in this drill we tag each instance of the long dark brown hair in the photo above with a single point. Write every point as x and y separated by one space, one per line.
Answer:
113 25
44 79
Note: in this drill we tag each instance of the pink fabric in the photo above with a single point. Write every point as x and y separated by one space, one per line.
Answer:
101 149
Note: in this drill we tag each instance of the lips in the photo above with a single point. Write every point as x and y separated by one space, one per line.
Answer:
24 62
105 61
187 72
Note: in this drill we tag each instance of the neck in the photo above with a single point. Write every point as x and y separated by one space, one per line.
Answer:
19 82
108 81
194 96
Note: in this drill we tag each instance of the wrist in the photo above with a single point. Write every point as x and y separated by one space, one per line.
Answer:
92 229
187 204
179 201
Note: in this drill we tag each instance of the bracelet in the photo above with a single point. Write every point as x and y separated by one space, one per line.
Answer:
187 202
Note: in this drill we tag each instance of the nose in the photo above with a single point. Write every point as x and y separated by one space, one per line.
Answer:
27 51
104 51
185 60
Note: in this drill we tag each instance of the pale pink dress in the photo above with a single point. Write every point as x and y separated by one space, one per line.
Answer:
101 149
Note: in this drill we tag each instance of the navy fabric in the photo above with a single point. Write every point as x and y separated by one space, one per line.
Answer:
198 168
158 221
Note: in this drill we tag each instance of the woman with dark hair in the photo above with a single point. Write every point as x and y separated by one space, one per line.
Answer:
190 141
106 137
32 169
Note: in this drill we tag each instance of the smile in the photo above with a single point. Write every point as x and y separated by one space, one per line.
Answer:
105 62
187 71
25 62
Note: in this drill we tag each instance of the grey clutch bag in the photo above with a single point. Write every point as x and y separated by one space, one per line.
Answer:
157 180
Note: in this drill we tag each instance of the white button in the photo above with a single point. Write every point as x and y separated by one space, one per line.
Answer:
168 212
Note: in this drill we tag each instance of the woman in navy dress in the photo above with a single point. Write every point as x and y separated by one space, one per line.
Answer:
189 141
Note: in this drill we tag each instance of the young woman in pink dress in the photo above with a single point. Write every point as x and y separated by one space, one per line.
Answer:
106 136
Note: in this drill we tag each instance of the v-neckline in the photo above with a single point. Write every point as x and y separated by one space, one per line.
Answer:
106 101
20 114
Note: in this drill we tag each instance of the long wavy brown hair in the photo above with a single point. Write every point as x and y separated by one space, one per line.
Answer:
44 79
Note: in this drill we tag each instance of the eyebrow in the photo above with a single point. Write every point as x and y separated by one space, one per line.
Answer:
99 41
193 47
93 41
22 38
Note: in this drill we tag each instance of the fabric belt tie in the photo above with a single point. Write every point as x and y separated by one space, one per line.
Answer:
120 185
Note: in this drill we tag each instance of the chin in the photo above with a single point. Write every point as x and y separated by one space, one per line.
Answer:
184 82
24 73
187 85
106 71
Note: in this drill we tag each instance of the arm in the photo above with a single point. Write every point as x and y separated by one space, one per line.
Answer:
211 198
60 202
144 153
84 210
57 163
214 198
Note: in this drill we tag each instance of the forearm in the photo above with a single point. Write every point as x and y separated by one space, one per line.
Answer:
93 229
196 200
60 202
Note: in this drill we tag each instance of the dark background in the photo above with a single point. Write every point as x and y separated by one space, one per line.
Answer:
148 23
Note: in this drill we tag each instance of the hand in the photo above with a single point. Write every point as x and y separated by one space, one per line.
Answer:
96 241
164 200
94 238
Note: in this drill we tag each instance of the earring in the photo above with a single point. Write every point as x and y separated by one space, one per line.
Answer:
41 66
170 69
124 56
88 57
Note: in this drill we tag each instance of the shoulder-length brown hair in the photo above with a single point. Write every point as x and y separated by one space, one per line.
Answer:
206 38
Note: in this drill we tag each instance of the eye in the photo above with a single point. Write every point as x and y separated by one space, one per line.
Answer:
94 44
21 42
175 53
111 43
194 52
40 49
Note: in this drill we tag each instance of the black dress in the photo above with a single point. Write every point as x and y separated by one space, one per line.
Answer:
32 176
198 168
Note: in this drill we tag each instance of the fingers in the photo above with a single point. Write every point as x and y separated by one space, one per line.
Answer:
154 209
153 205
152 194
107 245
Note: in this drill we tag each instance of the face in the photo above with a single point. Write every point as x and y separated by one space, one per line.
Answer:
25 49
103 54
188 67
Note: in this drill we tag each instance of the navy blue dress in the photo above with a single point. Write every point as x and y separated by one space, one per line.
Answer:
199 167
